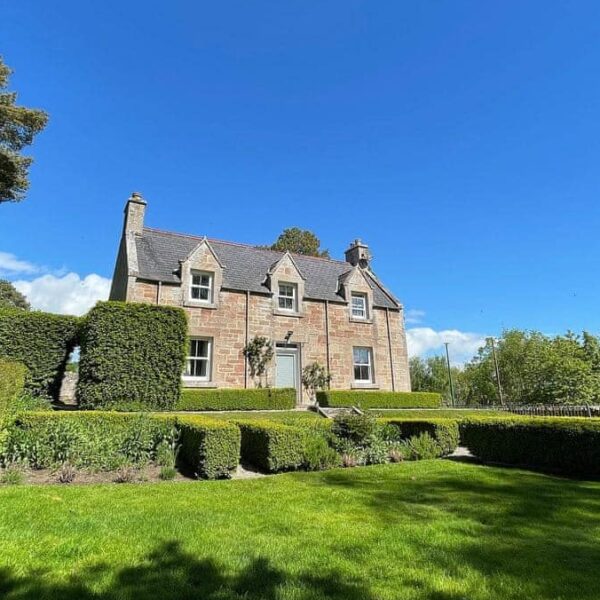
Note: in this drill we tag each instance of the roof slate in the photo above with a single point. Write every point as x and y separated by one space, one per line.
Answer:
245 268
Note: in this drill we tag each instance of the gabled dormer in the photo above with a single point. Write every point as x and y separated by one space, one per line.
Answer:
286 282
356 290
201 276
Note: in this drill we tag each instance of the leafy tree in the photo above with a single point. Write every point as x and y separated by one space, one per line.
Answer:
10 297
315 377
300 241
18 126
259 353
431 375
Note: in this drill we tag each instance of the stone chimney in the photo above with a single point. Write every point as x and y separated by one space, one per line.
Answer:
358 254
134 213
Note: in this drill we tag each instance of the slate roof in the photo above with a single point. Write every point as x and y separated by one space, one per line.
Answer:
245 267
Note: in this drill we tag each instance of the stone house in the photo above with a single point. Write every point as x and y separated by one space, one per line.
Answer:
336 313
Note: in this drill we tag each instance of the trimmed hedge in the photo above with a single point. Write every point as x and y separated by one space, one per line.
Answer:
12 383
132 356
96 440
237 399
444 431
374 399
568 444
274 447
208 446
42 342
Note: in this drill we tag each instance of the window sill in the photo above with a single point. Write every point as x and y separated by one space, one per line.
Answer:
357 320
288 313
197 383
193 304
364 386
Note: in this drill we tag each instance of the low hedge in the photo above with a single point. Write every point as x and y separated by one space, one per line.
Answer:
96 440
208 446
367 399
444 431
132 356
272 446
42 342
237 399
12 383
568 444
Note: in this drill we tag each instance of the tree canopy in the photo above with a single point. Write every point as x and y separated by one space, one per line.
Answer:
18 127
10 297
299 241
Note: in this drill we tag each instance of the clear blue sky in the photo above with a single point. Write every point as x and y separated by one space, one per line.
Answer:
461 140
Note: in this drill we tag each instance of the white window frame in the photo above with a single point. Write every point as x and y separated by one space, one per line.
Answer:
365 306
368 364
285 297
201 286
207 359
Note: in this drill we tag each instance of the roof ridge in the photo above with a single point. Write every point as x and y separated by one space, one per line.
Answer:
242 245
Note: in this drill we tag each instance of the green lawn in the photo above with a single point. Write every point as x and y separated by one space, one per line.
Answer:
436 529
455 413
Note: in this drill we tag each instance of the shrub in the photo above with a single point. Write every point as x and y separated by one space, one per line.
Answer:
319 456
92 440
357 429
167 473
375 399
444 432
12 383
237 399
422 447
209 446
42 342
565 444
274 447
132 356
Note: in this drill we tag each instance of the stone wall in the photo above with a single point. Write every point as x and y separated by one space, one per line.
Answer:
226 324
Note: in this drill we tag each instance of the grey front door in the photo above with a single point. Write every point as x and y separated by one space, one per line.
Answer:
286 368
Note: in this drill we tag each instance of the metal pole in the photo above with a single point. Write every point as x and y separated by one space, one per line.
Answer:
450 375
500 393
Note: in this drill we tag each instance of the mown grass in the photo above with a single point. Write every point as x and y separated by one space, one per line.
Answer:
454 413
280 416
429 530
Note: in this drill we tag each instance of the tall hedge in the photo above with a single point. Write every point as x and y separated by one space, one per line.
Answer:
378 399
12 383
237 399
132 356
42 342
566 444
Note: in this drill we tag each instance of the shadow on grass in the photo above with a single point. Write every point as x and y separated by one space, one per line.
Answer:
169 573
539 532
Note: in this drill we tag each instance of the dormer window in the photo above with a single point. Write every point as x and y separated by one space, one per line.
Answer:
288 297
359 306
201 287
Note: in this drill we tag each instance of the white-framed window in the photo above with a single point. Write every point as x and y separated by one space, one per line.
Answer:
363 364
359 305
201 286
198 361
288 297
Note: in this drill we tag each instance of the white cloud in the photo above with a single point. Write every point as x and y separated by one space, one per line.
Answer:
10 264
462 345
413 316
68 295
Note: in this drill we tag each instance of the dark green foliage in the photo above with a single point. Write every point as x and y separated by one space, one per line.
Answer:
357 429
18 126
299 241
10 297
431 375
132 356
85 439
274 447
42 342
208 446
12 383
445 432
569 445
375 399
237 399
